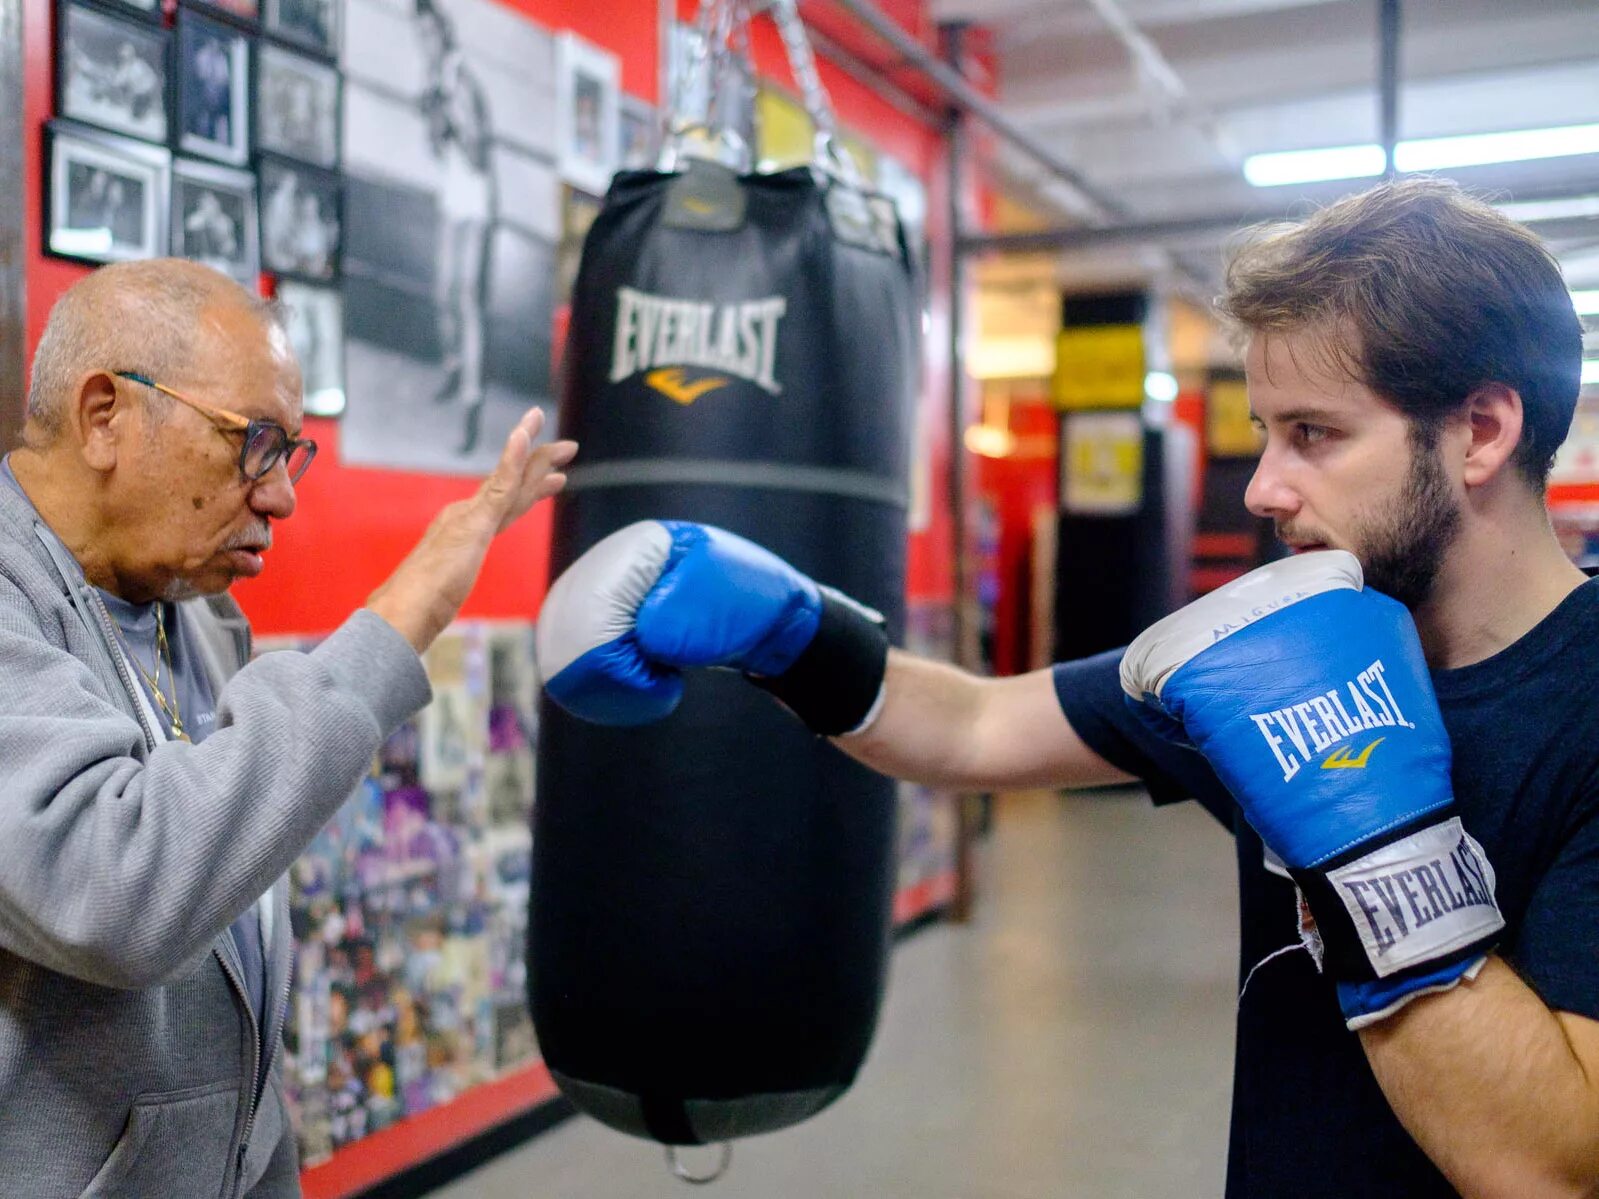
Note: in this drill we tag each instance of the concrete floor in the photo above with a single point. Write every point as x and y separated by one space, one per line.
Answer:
1074 1040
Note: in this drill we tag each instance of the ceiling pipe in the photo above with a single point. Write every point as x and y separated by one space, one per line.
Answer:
1200 228
954 85
1151 64
871 77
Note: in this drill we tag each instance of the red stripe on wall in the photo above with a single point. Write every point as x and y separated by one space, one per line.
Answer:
418 1138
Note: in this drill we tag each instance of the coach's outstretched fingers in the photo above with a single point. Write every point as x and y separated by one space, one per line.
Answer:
428 588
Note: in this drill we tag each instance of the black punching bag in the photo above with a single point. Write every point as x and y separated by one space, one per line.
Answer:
711 894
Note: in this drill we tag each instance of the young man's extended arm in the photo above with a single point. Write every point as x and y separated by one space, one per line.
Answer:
941 726
1501 1092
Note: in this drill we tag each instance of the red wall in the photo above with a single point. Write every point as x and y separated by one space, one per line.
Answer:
355 524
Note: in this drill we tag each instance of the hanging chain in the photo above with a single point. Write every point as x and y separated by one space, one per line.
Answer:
785 14
720 37
721 57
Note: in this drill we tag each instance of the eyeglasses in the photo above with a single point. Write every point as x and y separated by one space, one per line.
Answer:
266 443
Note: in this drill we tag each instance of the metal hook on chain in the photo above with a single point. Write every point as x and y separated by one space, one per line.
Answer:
683 1172
718 59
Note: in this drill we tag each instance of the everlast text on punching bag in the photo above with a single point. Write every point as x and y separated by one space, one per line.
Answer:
711 894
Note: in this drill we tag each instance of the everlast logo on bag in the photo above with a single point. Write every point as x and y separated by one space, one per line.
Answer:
659 331
1300 732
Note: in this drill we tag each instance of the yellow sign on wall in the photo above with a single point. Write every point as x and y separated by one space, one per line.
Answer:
1229 432
783 129
1099 366
1102 463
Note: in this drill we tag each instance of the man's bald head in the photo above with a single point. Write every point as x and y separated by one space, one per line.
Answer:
144 317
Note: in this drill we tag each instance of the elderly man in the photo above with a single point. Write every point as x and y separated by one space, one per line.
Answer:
155 785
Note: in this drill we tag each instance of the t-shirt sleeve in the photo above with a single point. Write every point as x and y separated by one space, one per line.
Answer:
1557 952
1091 696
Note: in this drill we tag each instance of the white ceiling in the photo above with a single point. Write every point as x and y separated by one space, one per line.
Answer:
1160 116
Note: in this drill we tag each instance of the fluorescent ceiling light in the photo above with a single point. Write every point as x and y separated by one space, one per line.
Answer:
1590 370
1313 166
1586 302
1420 154
1568 208
1476 149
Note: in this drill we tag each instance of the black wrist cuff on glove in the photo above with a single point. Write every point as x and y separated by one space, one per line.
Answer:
1423 911
833 685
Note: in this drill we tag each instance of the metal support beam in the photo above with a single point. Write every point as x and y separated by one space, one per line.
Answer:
955 142
13 279
1388 80
1154 233
963 628
970 101
872 77
1208 228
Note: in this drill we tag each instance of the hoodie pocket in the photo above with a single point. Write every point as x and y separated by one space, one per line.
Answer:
175 1145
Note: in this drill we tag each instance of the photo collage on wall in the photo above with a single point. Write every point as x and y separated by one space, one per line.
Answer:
410 907
208 131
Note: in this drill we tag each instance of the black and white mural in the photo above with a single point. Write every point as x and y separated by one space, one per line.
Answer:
451 218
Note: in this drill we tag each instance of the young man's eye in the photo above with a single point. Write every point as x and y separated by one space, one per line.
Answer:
1307 434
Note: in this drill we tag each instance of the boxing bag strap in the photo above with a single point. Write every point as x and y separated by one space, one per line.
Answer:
836 683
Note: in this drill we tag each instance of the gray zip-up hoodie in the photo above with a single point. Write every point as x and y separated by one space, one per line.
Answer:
129 1058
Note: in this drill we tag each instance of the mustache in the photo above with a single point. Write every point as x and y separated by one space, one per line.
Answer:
255 537
1289 535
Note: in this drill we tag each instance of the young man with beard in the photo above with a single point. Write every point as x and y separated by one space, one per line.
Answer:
1413 360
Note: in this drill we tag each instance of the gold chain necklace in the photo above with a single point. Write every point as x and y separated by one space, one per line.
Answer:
163 650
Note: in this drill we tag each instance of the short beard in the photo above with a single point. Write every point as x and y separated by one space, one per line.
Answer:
1403 551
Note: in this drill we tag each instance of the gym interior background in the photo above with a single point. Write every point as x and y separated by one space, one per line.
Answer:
1068 173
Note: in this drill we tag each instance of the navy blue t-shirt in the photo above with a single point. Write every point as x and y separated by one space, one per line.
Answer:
1308 1117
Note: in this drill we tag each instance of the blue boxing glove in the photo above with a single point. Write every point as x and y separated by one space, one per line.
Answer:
625 620
1310 698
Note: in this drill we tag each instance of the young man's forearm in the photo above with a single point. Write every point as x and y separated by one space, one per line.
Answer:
1497 1089
941 726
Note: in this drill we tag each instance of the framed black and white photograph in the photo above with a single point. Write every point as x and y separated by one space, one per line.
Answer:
107 195
144 10
301 220
213 109
638 135
314 317
297 106
214 218
247 11
587 96
112 72
318 25
452 206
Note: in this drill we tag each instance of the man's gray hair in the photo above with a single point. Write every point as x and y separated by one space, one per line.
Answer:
129 316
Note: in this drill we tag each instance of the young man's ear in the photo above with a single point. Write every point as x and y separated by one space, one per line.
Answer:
1494 418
